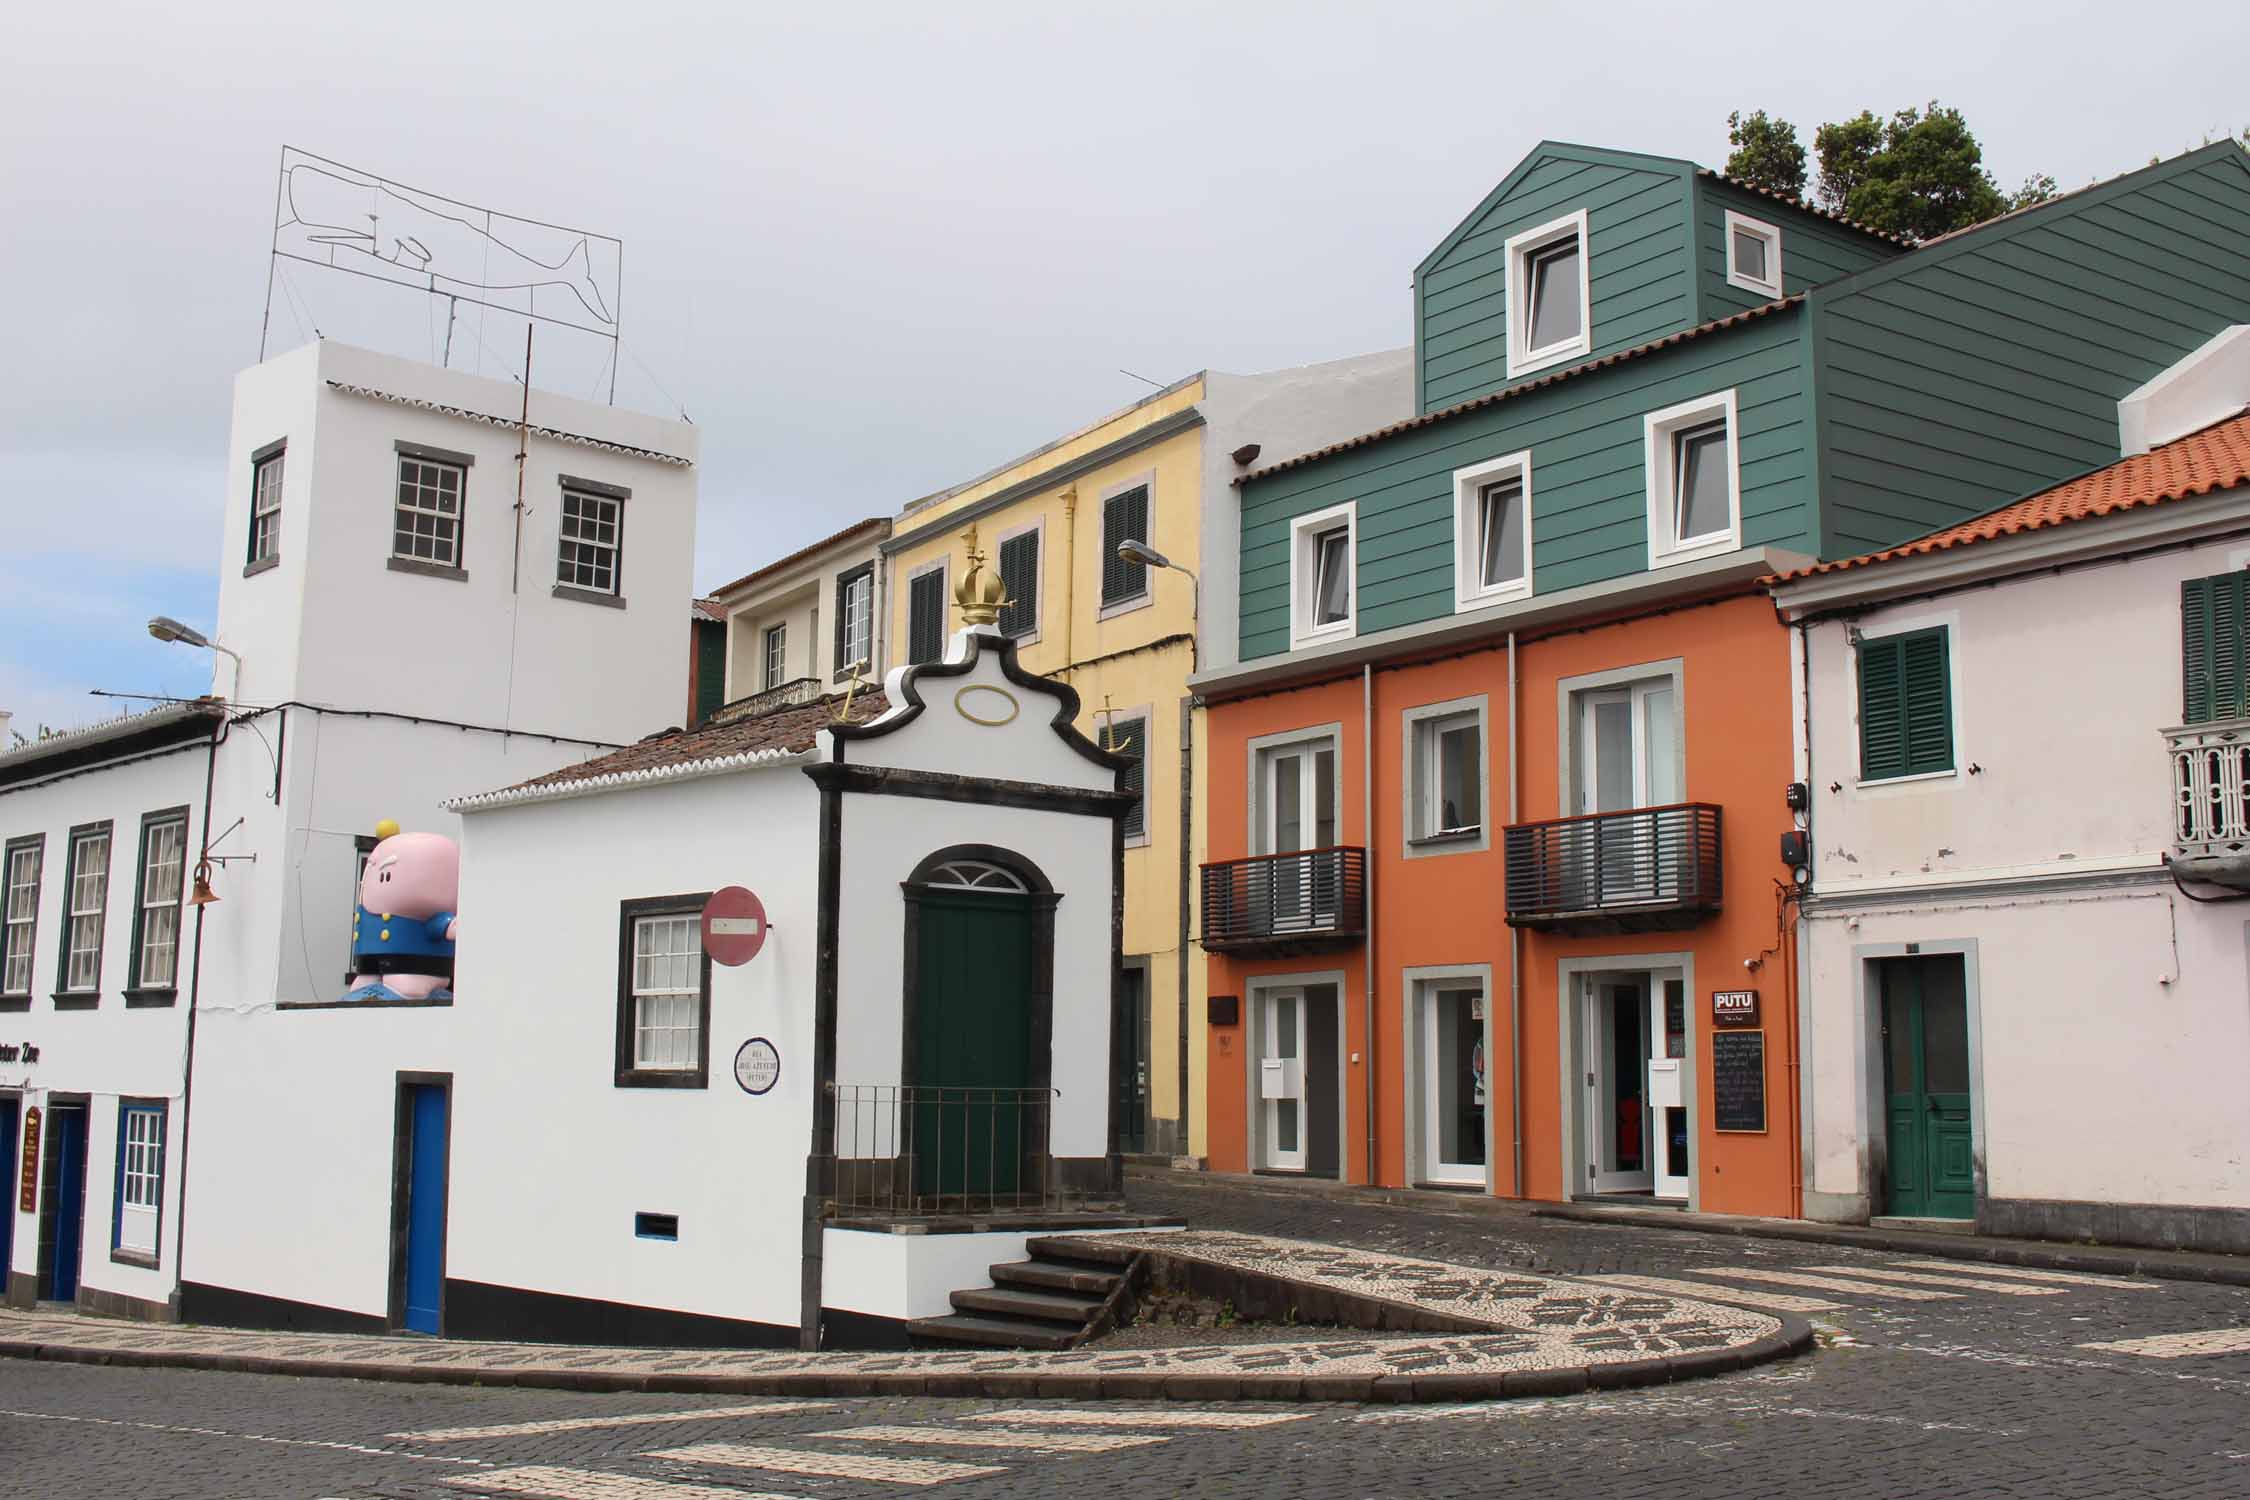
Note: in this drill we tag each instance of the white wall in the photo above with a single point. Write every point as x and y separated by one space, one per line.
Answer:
113 1050
334 624
1286 413
2110 1023
803 595
551 1158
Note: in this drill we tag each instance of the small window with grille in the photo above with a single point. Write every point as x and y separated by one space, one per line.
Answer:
427 524
592 531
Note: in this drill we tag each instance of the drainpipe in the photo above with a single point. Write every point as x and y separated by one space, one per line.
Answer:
1515 953
1367 891
1070 571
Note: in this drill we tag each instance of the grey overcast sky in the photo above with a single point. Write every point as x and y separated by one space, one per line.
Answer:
871 248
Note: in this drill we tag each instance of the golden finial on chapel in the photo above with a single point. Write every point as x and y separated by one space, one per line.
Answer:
980 595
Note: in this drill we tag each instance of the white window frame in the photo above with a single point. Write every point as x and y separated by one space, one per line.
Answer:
1469 588
1659 428
400 507
843 668
141 1131
774 655
96 915
1522 358
1571 744
1039 570
1949 621
1770 286
265 507
154 905
942 566
1422 983
19 946
692 994
1305 533
1419 729
615 547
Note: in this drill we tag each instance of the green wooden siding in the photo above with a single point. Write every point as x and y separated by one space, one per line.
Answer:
1640 280
1905 705
2214 631
1588 486
1813 250
1977 370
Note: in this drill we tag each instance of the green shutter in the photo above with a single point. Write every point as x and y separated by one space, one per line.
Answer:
1130 737
1124 517
925 617
1019 575
2214 621
1905 705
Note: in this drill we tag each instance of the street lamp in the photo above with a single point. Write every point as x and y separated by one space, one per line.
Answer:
165 628
1133 551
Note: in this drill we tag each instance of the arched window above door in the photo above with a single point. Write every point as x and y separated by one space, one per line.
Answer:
976 875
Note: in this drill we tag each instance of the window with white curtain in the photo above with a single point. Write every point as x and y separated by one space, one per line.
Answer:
21 932
156 951
88 897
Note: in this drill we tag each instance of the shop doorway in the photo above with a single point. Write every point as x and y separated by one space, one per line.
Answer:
1296 1082
1449 1046
9 1107
1638 1127
1928 1097
62 1202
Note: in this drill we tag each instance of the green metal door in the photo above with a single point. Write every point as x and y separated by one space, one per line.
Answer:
972 1115
1926 1052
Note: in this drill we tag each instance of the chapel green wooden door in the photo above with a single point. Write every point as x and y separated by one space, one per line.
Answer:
972 1118
1927 1089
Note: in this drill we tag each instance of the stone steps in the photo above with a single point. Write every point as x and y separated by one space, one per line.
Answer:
1058 1299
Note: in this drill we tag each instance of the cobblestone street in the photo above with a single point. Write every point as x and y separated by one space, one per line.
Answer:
1933 1377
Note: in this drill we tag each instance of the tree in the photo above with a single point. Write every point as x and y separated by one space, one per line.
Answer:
1919 173
1766 153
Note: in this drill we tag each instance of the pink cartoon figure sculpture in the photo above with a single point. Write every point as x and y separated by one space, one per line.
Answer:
403 930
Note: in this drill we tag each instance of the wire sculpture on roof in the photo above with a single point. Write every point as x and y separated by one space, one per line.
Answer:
340 218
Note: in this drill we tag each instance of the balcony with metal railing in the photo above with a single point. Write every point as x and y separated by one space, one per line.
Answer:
1275 904
2211 801
1650 869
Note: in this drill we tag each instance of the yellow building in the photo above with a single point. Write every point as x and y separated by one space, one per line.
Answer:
1125 635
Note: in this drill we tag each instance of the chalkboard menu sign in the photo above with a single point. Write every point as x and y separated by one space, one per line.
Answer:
1738 1080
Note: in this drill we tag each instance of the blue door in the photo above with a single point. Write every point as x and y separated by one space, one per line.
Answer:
68 1122
425 1206
8 1139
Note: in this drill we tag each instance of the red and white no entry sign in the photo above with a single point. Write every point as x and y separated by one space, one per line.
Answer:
734 926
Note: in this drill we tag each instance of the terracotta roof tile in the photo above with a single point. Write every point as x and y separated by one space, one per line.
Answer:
798 556
707 609
2217 458
783 731
1807 206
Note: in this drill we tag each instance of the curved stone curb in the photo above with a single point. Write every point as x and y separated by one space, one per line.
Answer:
1794 1337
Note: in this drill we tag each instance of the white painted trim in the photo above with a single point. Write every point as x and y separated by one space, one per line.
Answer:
1412 786
1333 732
1522 359
1569 749
1835 897
1416 981
1469 588
1001 539
1571 1140
1657 429
1770 286
2208 385
1253 992
1303 531
618 781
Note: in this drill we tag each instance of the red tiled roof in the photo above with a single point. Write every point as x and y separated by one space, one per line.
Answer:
784 731
1806 206
1567 372
802 553
708 609
2217 458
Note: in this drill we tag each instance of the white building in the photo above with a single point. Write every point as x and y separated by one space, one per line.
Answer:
927 1026
407 612
2021 731
798 626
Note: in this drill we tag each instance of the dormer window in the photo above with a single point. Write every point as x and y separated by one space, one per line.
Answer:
1321 576
1694 483
1753 255
1549 310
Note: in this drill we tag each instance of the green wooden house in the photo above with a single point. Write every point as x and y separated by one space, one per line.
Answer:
1627 364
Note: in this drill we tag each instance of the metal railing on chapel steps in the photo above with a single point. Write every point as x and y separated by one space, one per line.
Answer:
923 1150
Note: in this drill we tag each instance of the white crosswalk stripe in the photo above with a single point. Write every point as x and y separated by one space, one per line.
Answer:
551 1483
1825 1283
2023 1273
834 1465
1924 1278
2180 1345
627 1419
997 1437
1776 1301
1041 1416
